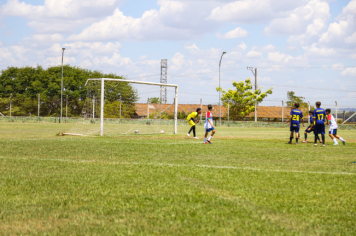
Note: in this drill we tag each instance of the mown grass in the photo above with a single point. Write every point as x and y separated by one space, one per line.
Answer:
249 182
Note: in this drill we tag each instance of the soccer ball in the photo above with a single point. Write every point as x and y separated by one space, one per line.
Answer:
136 131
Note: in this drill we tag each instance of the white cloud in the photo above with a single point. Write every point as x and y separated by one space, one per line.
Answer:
252 11
254 55
315 11
349 72
279 57
59 16
236 33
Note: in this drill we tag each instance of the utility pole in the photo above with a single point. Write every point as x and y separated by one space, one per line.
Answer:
255 74
336 111
228 110
220 88
62 87
10 103
148 110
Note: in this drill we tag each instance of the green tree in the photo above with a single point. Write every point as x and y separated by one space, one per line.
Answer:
292 99
154 100
26 83
242 98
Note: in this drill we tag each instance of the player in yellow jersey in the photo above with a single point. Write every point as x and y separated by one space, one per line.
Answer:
192 121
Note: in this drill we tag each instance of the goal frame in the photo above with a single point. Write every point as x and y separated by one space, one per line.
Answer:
102 97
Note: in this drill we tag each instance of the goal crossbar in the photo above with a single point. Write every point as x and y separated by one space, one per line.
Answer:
102 80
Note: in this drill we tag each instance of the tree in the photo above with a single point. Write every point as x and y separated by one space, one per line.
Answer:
154 100
295 99
292 99
242 98
26 83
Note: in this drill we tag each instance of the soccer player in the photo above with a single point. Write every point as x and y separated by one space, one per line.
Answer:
319 115
307 131
209 127
192 122
296 116
333 128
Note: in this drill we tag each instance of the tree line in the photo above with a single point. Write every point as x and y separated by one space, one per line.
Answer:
24 84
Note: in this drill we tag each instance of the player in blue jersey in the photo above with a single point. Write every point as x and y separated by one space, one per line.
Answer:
295 119
307 131
319 116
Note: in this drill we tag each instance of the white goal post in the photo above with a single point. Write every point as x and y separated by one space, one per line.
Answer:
102 89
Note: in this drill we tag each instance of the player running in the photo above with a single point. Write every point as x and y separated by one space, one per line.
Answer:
319 115
307 131
333 128
191 121
209 127
296 116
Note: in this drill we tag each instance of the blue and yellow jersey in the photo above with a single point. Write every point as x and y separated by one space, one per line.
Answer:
297 115
319 115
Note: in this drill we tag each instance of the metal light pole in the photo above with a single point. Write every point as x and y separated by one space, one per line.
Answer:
308 112
255 74
220 89
62 87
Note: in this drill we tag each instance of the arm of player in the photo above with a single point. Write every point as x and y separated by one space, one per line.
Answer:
212 126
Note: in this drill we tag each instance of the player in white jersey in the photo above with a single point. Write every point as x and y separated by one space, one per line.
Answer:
209 126
333 128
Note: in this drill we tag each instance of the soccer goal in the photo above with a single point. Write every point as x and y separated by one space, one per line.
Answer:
117 107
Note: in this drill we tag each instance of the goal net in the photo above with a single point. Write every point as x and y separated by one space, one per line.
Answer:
118 107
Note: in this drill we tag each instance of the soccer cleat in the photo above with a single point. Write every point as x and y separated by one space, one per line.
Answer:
205 142
336 144
289 142
320 141
188 135
209 142
344 142
315 144
323 145
296 143
305 141
195 138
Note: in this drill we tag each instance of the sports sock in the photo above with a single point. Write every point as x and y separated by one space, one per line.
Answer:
315 138
342 140
204 140
323 138
290 139
318 137
193 130
305 136
296 140
210 137
335 141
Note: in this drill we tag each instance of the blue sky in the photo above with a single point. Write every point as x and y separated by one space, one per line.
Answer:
304 46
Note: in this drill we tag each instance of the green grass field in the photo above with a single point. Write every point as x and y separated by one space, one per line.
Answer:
249 182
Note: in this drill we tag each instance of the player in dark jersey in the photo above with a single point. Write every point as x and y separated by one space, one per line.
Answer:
296 117
307 131
319 116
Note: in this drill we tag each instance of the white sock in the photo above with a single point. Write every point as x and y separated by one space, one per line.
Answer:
204 140
335 141
210 137
342 140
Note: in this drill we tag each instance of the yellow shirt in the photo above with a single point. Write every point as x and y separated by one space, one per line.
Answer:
192 115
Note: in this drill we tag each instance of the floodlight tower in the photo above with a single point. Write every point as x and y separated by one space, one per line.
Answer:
164 67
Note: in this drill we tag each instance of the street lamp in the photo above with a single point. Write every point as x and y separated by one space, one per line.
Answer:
220 89
62 86
255 74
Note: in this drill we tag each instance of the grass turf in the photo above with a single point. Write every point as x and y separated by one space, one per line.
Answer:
250 182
